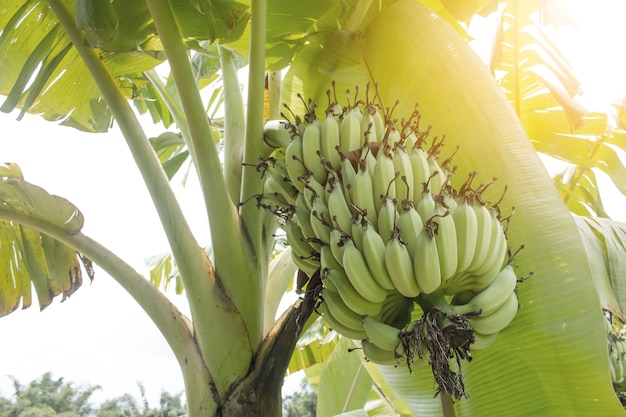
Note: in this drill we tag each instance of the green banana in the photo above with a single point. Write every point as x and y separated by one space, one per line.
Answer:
370 160
329 140
275 134
420 170
483 236
338 206
392 137
350 296
338 326
311 145
399 267
275 182
379 123
497 320
410 224
373 247
466 226
372 122
362 192
299 245
497 246
336 243
436 181
384 175
320 220
404 184
445 239
341 311
347 173
351 138
425 204
387 218
327 259
303 217
426 265
493 297
486 273
360 275
359 224
312 190
306 265
328 284
378 355
295 163
382 335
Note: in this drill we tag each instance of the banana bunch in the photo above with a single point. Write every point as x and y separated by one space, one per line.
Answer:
617 353
491 309
364 200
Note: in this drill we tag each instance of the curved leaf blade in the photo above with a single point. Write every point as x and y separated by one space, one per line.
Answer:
540 355
29 257
605 241
344 383
63 89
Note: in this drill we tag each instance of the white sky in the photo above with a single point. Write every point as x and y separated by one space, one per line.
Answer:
100 336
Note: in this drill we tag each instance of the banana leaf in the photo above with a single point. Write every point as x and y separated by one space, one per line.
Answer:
605 241
46 76
344 382
542 86
29 258
552 360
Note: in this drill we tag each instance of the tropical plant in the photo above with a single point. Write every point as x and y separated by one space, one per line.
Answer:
300 403
51 397
80 62
557 114
48 396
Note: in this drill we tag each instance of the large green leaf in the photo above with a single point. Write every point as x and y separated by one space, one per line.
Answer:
552 360
28 257
61 87
314 347
344 383
45 75
605 241
587 152
579 190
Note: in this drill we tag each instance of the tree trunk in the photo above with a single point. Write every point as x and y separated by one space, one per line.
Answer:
260 393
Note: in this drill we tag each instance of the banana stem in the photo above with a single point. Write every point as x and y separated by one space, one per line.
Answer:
432 300
235 269
234 124
447 405
253 149
212 312
172 103
173 325
275 81
252 284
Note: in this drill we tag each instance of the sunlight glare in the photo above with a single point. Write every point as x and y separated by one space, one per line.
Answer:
592 47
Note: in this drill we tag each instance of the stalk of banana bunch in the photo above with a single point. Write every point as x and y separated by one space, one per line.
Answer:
365 199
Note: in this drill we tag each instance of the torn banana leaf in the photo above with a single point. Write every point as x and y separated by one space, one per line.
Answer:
29 258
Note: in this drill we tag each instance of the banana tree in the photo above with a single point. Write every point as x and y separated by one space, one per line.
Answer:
232 352
550 101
